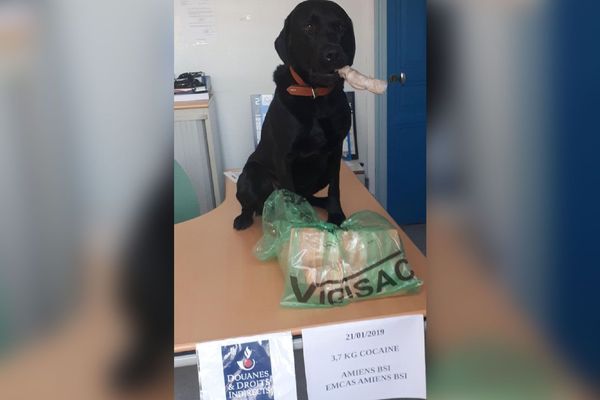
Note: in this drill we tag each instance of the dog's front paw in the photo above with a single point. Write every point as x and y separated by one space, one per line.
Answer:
242 221
336 218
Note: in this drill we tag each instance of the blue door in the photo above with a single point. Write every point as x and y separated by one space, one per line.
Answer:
406 111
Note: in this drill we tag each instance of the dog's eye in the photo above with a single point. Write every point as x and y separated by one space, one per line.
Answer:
309 28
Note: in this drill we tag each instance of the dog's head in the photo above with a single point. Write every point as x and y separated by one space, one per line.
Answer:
317 38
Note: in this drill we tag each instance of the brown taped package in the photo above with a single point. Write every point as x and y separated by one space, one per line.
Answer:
317 255
321 256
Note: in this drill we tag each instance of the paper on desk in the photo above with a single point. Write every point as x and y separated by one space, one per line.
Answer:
366 360
251 368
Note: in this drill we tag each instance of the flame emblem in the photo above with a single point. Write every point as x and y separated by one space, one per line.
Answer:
247 363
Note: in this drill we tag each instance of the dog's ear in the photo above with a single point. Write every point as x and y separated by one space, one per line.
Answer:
348 43
282 41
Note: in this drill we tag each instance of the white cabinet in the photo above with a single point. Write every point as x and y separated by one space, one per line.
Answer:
198 150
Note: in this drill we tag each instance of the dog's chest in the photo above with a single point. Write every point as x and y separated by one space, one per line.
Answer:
320 138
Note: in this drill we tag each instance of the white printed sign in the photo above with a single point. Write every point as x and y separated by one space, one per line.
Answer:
366 360
256 367
195 22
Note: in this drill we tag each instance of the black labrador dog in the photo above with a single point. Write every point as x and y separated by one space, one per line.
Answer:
301 140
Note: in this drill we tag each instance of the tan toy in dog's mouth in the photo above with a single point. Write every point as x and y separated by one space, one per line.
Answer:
362 82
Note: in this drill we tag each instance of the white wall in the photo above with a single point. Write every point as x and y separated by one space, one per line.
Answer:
241 60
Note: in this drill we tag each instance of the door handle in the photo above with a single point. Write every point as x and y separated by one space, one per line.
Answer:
400 78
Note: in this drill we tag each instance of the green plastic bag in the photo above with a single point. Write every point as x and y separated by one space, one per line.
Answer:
325 265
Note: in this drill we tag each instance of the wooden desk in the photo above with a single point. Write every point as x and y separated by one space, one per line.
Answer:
222 290
187 105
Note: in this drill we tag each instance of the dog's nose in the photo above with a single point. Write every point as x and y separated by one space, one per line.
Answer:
332 55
